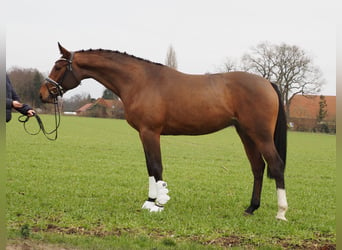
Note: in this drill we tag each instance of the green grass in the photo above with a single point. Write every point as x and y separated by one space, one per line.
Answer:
86 190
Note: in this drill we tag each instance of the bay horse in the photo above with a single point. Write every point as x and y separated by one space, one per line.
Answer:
159 100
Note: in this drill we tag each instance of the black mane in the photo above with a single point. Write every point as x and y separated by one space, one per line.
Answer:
121 53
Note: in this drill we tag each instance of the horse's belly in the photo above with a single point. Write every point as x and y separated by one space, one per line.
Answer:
196 127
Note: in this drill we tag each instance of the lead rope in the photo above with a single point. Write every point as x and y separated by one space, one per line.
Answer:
24 119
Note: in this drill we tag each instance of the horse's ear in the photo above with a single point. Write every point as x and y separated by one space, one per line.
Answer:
65 53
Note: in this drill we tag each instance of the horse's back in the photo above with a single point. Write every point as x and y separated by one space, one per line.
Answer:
200 104
249 89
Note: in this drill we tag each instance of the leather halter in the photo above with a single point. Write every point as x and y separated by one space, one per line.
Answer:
58 89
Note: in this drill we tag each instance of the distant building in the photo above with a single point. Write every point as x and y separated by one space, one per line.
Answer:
304 110
102 108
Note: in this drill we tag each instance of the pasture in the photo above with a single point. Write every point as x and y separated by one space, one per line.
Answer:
86 189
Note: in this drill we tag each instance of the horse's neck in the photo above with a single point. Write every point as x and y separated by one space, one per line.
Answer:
116 73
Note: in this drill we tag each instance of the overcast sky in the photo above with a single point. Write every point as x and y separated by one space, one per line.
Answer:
203 33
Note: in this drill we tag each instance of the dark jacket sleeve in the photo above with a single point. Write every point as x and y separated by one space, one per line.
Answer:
8 103
11 96
24 109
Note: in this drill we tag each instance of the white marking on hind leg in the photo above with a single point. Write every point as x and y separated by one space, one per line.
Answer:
282 204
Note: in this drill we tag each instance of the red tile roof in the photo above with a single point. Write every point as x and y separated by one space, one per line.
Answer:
308 107
85 107
100 101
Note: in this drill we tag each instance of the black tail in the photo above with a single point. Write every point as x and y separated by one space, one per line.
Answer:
280 133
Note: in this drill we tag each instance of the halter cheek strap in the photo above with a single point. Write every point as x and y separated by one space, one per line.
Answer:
70 61
58 86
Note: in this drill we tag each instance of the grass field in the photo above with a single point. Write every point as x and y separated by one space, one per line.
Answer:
85 190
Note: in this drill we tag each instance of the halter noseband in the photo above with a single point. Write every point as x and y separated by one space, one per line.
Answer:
59 91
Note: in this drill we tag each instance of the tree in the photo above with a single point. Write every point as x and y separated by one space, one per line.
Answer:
171 60
108 94
287 66
36 83
26 83
230 65
322 112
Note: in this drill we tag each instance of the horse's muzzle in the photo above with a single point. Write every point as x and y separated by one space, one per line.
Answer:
45 95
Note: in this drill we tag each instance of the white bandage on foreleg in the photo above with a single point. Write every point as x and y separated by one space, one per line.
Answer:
148 205
156 208
162 196
152 187
282 204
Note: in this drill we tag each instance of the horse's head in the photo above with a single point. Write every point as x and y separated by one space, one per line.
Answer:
61 78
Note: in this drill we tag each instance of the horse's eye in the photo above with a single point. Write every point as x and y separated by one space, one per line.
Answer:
57 67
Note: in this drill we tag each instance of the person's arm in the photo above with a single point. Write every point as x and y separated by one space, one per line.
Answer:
15 101
21 107
25 110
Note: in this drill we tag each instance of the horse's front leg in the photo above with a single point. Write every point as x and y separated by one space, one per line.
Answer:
158 192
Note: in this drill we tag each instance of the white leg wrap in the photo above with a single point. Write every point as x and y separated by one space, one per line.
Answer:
152 187
152 194
162 197
156 208
282 204
158 191
148 205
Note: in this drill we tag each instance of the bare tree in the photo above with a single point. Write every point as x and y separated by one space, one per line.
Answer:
229 65
171 59
26 83
287 66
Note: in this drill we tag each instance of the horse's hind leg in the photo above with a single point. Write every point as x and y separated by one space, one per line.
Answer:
158 192
258 167
259 146
276 171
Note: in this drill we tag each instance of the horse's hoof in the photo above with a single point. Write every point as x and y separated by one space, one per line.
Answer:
152 207
148 205
247 213
281 217
156 208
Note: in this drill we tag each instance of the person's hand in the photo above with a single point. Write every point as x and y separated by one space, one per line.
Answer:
31 113
17 104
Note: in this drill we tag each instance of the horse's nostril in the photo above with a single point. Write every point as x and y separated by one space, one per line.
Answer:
41 97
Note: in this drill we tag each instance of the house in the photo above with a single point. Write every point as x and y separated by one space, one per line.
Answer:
304 111
102 108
